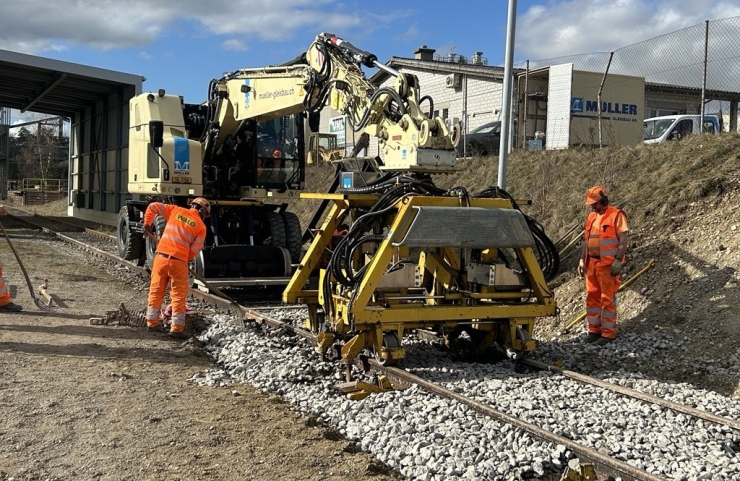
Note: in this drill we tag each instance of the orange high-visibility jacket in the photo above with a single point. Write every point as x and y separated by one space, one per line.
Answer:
605 244
185 233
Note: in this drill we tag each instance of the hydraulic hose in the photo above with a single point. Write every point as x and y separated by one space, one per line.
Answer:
545 250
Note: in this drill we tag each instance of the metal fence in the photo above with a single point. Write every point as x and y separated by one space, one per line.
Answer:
703 60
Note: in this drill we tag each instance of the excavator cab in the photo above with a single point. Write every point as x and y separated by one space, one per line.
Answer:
279 153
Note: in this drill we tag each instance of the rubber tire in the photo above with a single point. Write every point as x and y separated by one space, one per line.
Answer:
158 226
130 243
277 229
293 236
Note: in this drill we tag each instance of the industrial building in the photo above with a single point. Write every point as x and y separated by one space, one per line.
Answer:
96 102
560 101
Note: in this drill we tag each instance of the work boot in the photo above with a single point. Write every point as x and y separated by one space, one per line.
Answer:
157 329
11 307
592 337
604 340
177 335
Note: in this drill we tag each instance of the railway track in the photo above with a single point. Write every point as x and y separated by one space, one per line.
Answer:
104 246
606 464
542 394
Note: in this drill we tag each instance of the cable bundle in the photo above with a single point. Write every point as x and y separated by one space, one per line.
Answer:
545 250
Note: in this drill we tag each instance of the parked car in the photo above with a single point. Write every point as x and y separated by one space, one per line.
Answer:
480 141
675 127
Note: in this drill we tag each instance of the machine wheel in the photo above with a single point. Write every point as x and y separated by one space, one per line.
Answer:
130 243
277 229
390 340
293 236
158 226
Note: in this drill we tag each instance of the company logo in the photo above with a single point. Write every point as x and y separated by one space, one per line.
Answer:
186 220
182 155
577 104
277 93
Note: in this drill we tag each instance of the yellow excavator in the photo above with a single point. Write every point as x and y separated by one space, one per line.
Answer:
322 148
388 251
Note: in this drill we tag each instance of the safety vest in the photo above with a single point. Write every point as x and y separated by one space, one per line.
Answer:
605 244
266 163
184 234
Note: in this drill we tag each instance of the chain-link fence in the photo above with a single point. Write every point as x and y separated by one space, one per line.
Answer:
695 70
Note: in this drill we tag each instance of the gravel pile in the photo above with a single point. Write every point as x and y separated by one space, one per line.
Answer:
426 437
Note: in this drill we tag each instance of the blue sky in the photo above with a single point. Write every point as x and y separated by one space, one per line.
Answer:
179 45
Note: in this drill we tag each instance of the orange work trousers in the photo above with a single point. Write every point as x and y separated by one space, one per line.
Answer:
601 299
174 271
4 292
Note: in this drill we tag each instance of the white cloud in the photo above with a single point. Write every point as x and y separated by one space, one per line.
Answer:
568 27
32 26
234 45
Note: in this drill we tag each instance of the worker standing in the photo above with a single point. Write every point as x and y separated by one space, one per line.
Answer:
601 262
181 241
6 303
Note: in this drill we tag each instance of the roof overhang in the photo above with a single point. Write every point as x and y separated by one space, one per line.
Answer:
55 87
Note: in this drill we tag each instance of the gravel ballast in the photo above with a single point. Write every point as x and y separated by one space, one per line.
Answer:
427 437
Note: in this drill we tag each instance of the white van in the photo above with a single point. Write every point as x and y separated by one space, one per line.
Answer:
675 127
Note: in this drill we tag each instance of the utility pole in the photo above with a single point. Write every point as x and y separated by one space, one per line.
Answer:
503 151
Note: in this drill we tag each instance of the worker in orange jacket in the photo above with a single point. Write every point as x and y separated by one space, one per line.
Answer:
181 241
6 302
601 262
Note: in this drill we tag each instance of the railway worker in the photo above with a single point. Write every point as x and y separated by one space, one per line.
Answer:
181 241
6 303
601 262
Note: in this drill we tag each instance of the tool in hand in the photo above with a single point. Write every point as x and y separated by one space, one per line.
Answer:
39 303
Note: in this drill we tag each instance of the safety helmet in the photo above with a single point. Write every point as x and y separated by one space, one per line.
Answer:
203 203
596 194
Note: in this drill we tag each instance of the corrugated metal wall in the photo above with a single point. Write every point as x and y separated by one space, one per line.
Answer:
99 158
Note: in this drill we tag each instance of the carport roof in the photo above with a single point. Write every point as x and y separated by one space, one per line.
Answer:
54 87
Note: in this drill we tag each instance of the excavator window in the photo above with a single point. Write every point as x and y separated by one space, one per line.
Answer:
279 152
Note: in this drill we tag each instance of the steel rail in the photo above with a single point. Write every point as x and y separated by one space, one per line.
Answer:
698 413
601 461
196 293
78 228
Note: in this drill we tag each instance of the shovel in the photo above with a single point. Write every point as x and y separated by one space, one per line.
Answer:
39 303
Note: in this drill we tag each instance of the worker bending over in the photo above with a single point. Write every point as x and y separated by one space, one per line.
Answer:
181 241
601 261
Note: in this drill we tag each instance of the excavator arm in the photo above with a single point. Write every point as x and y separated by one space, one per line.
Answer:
331 75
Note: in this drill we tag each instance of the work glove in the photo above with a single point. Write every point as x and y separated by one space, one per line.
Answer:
581 268
616 268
